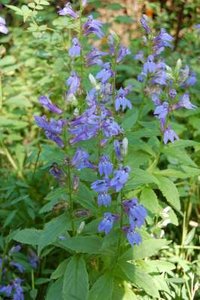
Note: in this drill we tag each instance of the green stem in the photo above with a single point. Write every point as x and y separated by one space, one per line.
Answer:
121 225
81 37
71 203
1 92
114 64
32 280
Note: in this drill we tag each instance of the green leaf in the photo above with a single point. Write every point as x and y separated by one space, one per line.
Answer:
28 236
123 291
139 177
82 244
149 199
147 248
102 288
140 279
54 197
52 230
157 266
130 119
60 270
75 285
55 290
169 191
16 9
85 197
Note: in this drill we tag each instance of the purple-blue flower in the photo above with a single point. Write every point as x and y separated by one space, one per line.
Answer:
52 129
121 101
107 223
161 111
94 57
134 238
18 266
33 259
6 290
111 128
100 186
46 102
169 135
73 82
105 74
93 26
104 199
120 178
68 11
162 40
123 52
80 160
56 172
117 148
18 291
144 22
185 102
75 50
105 166
172 93
136 212
3 27
15 249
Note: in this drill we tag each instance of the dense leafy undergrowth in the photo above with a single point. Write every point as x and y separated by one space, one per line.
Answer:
101 201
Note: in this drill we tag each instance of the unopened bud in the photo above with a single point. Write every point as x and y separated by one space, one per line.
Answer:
81 227
124 146
75 183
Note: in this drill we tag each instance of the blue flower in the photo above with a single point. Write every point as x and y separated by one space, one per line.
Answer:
162 40
111 128
172 93
123 51
100 186
104 199
161 111
46 102
117 148
107 223
105 74
185 102
134 238
75 50
122 101
93 26
120 178
15 249
136 213
3 27
80 160
52 129
105 166
73 82
18 291
18 266
144 22
169 135
56 172
6 290
94 57
33 259
68 11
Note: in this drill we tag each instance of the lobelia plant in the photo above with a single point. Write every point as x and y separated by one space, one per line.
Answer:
101 231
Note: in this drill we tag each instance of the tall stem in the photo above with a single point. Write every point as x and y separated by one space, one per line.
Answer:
1 92
81 37
71 203
121 225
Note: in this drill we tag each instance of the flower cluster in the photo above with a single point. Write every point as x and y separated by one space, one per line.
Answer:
164 85
53 128
136 214
13 287
94 118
